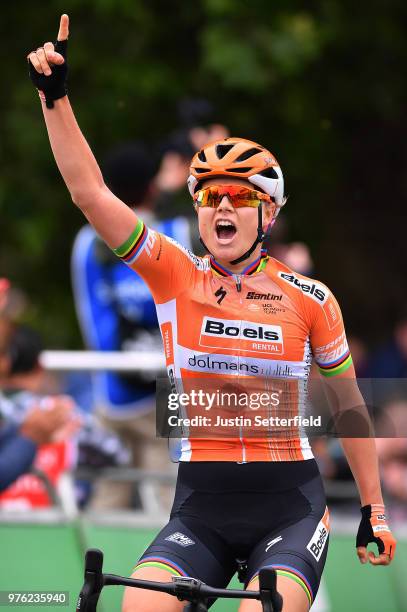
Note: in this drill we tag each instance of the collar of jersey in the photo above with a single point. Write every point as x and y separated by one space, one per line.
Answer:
256 266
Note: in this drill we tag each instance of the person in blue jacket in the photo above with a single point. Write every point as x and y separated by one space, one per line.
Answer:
116 312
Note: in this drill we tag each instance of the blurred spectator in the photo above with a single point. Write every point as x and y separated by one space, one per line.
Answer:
390 360
117 312
13 301
359 352
197 126
32 421
20 367
5 326
392 453
98 447
387 367
4 289
19 444
331 459
114 306
295 255
20 438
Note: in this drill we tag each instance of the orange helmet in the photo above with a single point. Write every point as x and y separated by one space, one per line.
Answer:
239 158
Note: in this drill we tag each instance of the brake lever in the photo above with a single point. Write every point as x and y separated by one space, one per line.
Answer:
270 598
93 581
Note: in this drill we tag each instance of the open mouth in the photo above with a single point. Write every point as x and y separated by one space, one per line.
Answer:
225 230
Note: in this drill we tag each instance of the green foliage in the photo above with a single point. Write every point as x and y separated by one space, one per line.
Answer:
321 83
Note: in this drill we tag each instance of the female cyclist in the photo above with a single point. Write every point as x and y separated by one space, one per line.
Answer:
235 314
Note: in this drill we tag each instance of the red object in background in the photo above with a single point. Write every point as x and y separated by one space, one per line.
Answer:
28 491
4 287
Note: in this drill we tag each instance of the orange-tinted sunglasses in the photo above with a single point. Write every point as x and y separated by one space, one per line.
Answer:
239 196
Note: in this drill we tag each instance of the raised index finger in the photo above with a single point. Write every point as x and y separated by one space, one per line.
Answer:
63 32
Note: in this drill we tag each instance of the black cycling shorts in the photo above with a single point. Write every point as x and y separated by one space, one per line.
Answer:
265 514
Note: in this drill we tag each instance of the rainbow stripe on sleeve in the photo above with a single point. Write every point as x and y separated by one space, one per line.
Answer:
134 245
336 367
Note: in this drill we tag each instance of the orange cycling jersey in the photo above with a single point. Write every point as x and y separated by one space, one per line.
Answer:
267 322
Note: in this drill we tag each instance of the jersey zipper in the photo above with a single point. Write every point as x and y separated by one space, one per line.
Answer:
238 281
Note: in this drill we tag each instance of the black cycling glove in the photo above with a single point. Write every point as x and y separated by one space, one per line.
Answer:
53 86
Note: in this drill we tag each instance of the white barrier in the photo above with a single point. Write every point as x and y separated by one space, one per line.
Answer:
118 361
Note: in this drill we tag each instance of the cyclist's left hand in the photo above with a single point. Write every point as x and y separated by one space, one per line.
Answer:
374 528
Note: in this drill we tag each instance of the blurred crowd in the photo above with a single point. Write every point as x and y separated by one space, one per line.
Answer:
53 424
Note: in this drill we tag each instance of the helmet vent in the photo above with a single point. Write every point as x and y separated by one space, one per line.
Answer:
223 149
238 170
269 173
248 154
202 156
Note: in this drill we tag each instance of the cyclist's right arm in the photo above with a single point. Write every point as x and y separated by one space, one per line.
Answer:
165 267
110 217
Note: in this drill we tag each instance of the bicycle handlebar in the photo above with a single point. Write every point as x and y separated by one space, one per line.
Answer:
184 588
